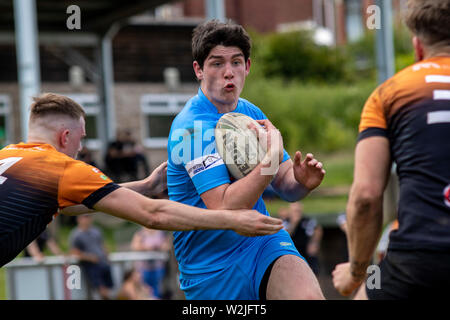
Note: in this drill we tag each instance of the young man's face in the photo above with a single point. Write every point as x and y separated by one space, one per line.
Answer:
223 76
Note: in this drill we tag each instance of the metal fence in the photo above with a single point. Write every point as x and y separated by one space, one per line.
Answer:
55 278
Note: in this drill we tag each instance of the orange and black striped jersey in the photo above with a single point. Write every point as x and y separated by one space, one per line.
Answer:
36 180
412 110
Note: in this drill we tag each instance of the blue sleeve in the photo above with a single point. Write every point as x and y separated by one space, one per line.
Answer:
196 152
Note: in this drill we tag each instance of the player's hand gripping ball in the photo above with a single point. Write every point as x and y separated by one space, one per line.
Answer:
237 144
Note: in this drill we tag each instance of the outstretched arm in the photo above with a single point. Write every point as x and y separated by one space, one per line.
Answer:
364 211
154 184
170 215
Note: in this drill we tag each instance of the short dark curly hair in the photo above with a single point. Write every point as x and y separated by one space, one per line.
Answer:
212 33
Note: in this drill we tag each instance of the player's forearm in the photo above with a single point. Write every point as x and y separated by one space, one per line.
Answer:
285 184
244 193
170 215
289 189
364 223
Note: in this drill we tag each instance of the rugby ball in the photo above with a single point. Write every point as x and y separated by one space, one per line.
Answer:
238 145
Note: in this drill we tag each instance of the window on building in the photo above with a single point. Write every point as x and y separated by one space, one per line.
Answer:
5 121
354 20
91 105
159 110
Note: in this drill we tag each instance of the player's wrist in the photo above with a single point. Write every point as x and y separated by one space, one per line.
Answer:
358 270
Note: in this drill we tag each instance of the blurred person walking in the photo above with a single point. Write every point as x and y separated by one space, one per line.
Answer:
86 243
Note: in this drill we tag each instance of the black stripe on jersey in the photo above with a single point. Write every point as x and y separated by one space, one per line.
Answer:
23 216
372 132
99 194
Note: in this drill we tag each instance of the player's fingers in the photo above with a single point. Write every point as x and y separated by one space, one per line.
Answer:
270 229
309 157
162 166
298 158
313 162
266 123
319 165
258 130
272 220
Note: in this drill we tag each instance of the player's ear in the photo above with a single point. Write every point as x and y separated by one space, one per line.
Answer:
247 66
418 48
198 70
63 138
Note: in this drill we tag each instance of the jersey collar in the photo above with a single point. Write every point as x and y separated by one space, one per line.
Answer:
211 107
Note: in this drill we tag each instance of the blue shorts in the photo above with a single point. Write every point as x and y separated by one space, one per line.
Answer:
241 279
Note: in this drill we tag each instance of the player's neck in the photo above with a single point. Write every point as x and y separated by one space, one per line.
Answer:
224 107
40 139
429 53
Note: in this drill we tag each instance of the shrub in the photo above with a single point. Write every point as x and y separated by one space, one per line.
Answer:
318 118
294 55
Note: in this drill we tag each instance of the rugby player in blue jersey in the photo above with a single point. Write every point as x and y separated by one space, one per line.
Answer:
223 264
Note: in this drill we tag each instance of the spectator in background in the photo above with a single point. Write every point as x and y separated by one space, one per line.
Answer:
306 234
133 155
152 271
133 288
86 243
124 156
342 222
113 160
36 248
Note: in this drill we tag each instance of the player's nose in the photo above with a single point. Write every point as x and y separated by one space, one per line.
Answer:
228 73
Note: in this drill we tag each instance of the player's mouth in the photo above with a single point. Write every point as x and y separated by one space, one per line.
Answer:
229 87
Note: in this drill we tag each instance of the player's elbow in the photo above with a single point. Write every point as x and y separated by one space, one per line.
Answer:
365 198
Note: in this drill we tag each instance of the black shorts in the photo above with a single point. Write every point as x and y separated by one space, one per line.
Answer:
412 275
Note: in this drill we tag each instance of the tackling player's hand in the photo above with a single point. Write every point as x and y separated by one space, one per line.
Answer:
251 223
157 180
343 280
308 172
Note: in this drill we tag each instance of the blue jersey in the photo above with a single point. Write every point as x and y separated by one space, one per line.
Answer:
195 167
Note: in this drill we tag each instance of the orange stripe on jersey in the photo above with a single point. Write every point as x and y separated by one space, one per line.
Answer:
44 168
407 87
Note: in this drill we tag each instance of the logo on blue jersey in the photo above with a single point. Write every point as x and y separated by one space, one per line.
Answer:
203 163
210 160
